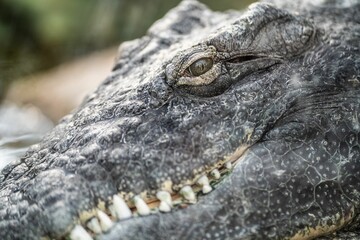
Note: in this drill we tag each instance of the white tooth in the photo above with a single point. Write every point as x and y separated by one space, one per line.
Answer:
79 233
204 182
228 165
94 225
122 211
188 193
141 206
215 174
112 210
105 221
164 196
206 189
164 207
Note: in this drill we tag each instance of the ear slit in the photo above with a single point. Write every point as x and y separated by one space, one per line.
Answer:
243 59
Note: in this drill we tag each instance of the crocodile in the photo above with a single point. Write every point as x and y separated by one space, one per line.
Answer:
234 125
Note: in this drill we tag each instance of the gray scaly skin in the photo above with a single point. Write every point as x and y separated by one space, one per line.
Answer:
274 90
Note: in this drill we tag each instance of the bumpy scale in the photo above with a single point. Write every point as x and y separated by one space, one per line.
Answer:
236 125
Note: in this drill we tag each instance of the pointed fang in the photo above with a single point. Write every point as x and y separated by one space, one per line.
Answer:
105 221
94 225
141 206
79 233
215 174
188 193
206 189
120 208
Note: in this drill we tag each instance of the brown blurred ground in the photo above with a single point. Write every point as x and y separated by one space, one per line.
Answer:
58 91
37 35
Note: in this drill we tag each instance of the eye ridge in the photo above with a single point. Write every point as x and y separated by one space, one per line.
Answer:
201 66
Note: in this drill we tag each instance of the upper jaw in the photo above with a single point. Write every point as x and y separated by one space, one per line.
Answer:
200 214
101 218
183 152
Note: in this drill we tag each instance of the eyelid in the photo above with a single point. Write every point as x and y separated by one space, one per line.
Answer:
210 52
204 79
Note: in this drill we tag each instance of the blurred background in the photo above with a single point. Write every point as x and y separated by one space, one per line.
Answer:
52 53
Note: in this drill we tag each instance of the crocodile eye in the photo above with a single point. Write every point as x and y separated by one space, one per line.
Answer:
201 66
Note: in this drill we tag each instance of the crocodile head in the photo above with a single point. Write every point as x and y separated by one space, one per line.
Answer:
215 118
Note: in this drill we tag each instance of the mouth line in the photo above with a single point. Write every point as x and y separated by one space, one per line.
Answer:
201 186
100 220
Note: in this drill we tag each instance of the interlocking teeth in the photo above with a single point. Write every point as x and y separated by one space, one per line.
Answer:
215 174
120 209
164 196
188 193
228 165
204 182
105 221
141 206
79 233
165 201
94 225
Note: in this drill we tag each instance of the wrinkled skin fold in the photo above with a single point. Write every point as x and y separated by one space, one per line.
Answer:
278 95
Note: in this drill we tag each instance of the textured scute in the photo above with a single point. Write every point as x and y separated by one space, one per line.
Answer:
298 117
50 202
124 137
277 198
